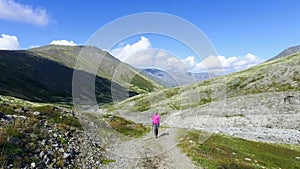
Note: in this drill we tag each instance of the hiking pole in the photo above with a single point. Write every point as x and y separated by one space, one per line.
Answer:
152 131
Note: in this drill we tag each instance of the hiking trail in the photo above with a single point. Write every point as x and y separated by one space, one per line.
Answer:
149 152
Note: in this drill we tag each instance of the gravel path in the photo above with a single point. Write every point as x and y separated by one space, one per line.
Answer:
150 153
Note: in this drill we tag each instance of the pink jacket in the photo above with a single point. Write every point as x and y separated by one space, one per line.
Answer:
155 118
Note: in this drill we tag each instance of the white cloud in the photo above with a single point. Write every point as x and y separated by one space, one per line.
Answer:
189 61
33 46
142 55
156 58
227 65
13 11
63 42
127 51
9 42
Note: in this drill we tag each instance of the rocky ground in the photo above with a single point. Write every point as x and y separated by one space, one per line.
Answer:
56 137
36 139
267 117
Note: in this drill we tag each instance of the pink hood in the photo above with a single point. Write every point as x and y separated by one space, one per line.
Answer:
155 118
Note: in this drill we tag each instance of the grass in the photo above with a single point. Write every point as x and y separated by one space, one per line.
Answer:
224 152
55 116
172 92
18 139
126 127
106 161
142 105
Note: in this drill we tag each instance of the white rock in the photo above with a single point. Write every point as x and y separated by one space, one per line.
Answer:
247 159
61 150
33 165
36 113
66 155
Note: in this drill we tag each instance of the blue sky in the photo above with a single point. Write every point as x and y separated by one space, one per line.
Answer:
236 28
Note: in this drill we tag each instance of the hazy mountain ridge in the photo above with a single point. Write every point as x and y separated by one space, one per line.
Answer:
173 79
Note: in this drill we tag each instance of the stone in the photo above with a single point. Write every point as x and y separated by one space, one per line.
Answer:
42 153
66 155
33 165
4 117
61 150
51 152
36 113
43 142
297 158
247 159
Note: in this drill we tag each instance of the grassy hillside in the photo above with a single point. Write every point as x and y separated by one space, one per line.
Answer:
222 151
26 75
109 68
275 76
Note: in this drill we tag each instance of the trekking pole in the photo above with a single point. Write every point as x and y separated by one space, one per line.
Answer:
152 131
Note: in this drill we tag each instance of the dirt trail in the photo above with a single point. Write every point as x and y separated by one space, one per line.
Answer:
150 153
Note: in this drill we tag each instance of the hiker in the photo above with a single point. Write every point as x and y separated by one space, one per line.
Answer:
155 123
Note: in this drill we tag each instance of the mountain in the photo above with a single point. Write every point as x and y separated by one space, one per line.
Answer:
261 103
45 74
286 52
172 79
109 67
160 76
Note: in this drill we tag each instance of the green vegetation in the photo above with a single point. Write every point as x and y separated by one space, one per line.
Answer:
142 105
172 92
221 151
126 127
204 101
56 117
142 83
106 161
19 138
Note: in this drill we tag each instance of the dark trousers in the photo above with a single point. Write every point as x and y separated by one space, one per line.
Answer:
155 126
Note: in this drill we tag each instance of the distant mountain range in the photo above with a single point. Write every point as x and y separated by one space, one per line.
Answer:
172 79
45 74
287 52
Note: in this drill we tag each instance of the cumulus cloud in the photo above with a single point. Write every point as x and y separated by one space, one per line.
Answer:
128 50
227 65
142 55
63 42
13 11
8 42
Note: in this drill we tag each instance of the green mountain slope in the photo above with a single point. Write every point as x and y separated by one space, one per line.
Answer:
109 68
279 75
26 75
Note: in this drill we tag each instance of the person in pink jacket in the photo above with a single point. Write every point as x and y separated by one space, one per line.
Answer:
155 123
